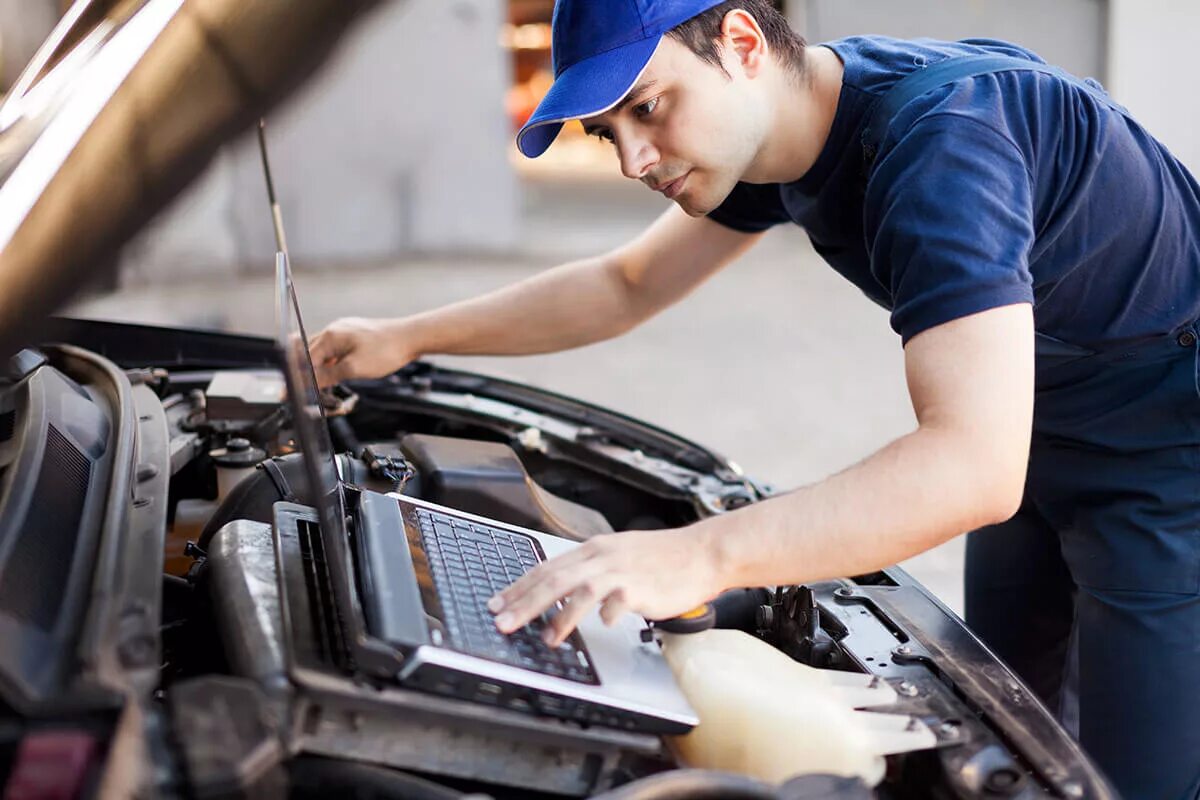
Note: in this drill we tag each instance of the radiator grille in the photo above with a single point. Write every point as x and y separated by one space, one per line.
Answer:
323 616
34 580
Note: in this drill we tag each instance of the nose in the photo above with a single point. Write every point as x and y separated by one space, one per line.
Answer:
637 156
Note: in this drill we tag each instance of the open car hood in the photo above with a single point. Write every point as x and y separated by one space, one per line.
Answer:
123 107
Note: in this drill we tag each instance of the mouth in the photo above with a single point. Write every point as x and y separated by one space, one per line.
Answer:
673 188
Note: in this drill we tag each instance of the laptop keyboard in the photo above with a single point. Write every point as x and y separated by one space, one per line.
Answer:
470 562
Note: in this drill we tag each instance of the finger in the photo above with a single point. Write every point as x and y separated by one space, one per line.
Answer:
331 372
517 589
556 582
322 346
578 605
614 606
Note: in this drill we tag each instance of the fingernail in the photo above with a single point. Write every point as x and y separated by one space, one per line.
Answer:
495 604
504 621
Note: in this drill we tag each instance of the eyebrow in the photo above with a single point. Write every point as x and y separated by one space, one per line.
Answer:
634 92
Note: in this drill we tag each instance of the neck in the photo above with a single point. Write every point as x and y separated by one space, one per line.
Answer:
802 120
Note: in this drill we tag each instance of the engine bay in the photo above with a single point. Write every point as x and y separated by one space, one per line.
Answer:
151 633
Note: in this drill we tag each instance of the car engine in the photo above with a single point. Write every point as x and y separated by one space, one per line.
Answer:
149 633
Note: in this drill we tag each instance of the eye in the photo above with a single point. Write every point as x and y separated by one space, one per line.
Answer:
602 133
647 108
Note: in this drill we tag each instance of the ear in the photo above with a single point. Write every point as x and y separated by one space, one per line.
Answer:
743 43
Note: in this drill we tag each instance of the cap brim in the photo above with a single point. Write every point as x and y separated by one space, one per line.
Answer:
585 89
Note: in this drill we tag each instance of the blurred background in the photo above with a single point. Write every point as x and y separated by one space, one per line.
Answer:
401 190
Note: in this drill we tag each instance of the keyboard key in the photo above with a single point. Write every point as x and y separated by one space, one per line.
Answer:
468 535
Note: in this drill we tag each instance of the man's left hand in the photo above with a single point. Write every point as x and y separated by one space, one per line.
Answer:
658 574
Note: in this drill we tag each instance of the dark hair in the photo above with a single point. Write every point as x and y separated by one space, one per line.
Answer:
701 33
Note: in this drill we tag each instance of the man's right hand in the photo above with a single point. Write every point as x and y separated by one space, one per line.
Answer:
356 347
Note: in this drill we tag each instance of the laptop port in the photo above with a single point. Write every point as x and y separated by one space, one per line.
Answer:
487 692
550 704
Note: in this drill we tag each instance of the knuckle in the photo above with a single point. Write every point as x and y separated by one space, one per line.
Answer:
557 584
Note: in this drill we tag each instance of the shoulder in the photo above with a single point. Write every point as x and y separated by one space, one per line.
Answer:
873 64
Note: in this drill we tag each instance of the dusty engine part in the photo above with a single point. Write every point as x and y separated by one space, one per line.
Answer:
243 395
792 621
487 478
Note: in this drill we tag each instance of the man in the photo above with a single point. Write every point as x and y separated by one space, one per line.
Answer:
998 215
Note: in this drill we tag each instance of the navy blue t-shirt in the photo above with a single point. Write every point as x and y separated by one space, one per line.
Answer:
1004 188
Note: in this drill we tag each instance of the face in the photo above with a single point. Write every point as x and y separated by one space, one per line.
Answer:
686 129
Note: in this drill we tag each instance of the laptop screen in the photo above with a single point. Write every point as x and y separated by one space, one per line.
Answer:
304 399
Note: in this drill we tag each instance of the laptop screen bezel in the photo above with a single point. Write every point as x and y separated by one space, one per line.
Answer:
300 379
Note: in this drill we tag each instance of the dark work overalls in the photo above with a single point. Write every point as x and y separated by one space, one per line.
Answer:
1092 591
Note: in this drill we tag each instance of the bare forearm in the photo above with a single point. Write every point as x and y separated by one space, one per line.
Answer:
569 306
917 492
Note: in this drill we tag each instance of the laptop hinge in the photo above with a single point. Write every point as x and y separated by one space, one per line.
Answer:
391 595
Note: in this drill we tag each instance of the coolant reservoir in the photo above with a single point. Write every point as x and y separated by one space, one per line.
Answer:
768 717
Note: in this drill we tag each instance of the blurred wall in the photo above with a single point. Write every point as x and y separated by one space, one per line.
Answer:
1070 33
1152 70
399 146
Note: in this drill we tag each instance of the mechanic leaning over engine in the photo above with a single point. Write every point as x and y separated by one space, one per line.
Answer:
1039 252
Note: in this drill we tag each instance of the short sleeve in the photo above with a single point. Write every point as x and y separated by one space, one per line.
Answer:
751 208
948 218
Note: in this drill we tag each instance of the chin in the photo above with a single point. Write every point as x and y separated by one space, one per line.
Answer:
695 202
691 211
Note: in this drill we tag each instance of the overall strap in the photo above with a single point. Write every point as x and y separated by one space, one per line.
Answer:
926 79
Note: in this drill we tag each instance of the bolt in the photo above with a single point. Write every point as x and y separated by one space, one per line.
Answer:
908 689
1002 781
845 591
948 729
903 650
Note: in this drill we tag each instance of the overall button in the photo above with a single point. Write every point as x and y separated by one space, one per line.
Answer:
1186 339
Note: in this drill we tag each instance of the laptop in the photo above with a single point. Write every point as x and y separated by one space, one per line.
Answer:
410 580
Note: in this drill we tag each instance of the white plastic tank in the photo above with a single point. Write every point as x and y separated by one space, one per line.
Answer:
768 717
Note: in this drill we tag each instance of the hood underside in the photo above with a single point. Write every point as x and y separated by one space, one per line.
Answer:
124 107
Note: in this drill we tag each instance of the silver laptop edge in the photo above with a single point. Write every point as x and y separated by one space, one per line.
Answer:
633 674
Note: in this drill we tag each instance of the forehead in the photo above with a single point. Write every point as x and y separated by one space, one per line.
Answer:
671 65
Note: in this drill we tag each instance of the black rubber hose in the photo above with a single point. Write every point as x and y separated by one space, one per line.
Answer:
738 608
693 784
312 776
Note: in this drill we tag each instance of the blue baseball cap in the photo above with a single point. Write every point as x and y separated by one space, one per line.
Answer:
599 49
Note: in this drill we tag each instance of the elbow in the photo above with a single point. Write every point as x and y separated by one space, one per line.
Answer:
1004 507
1001 496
